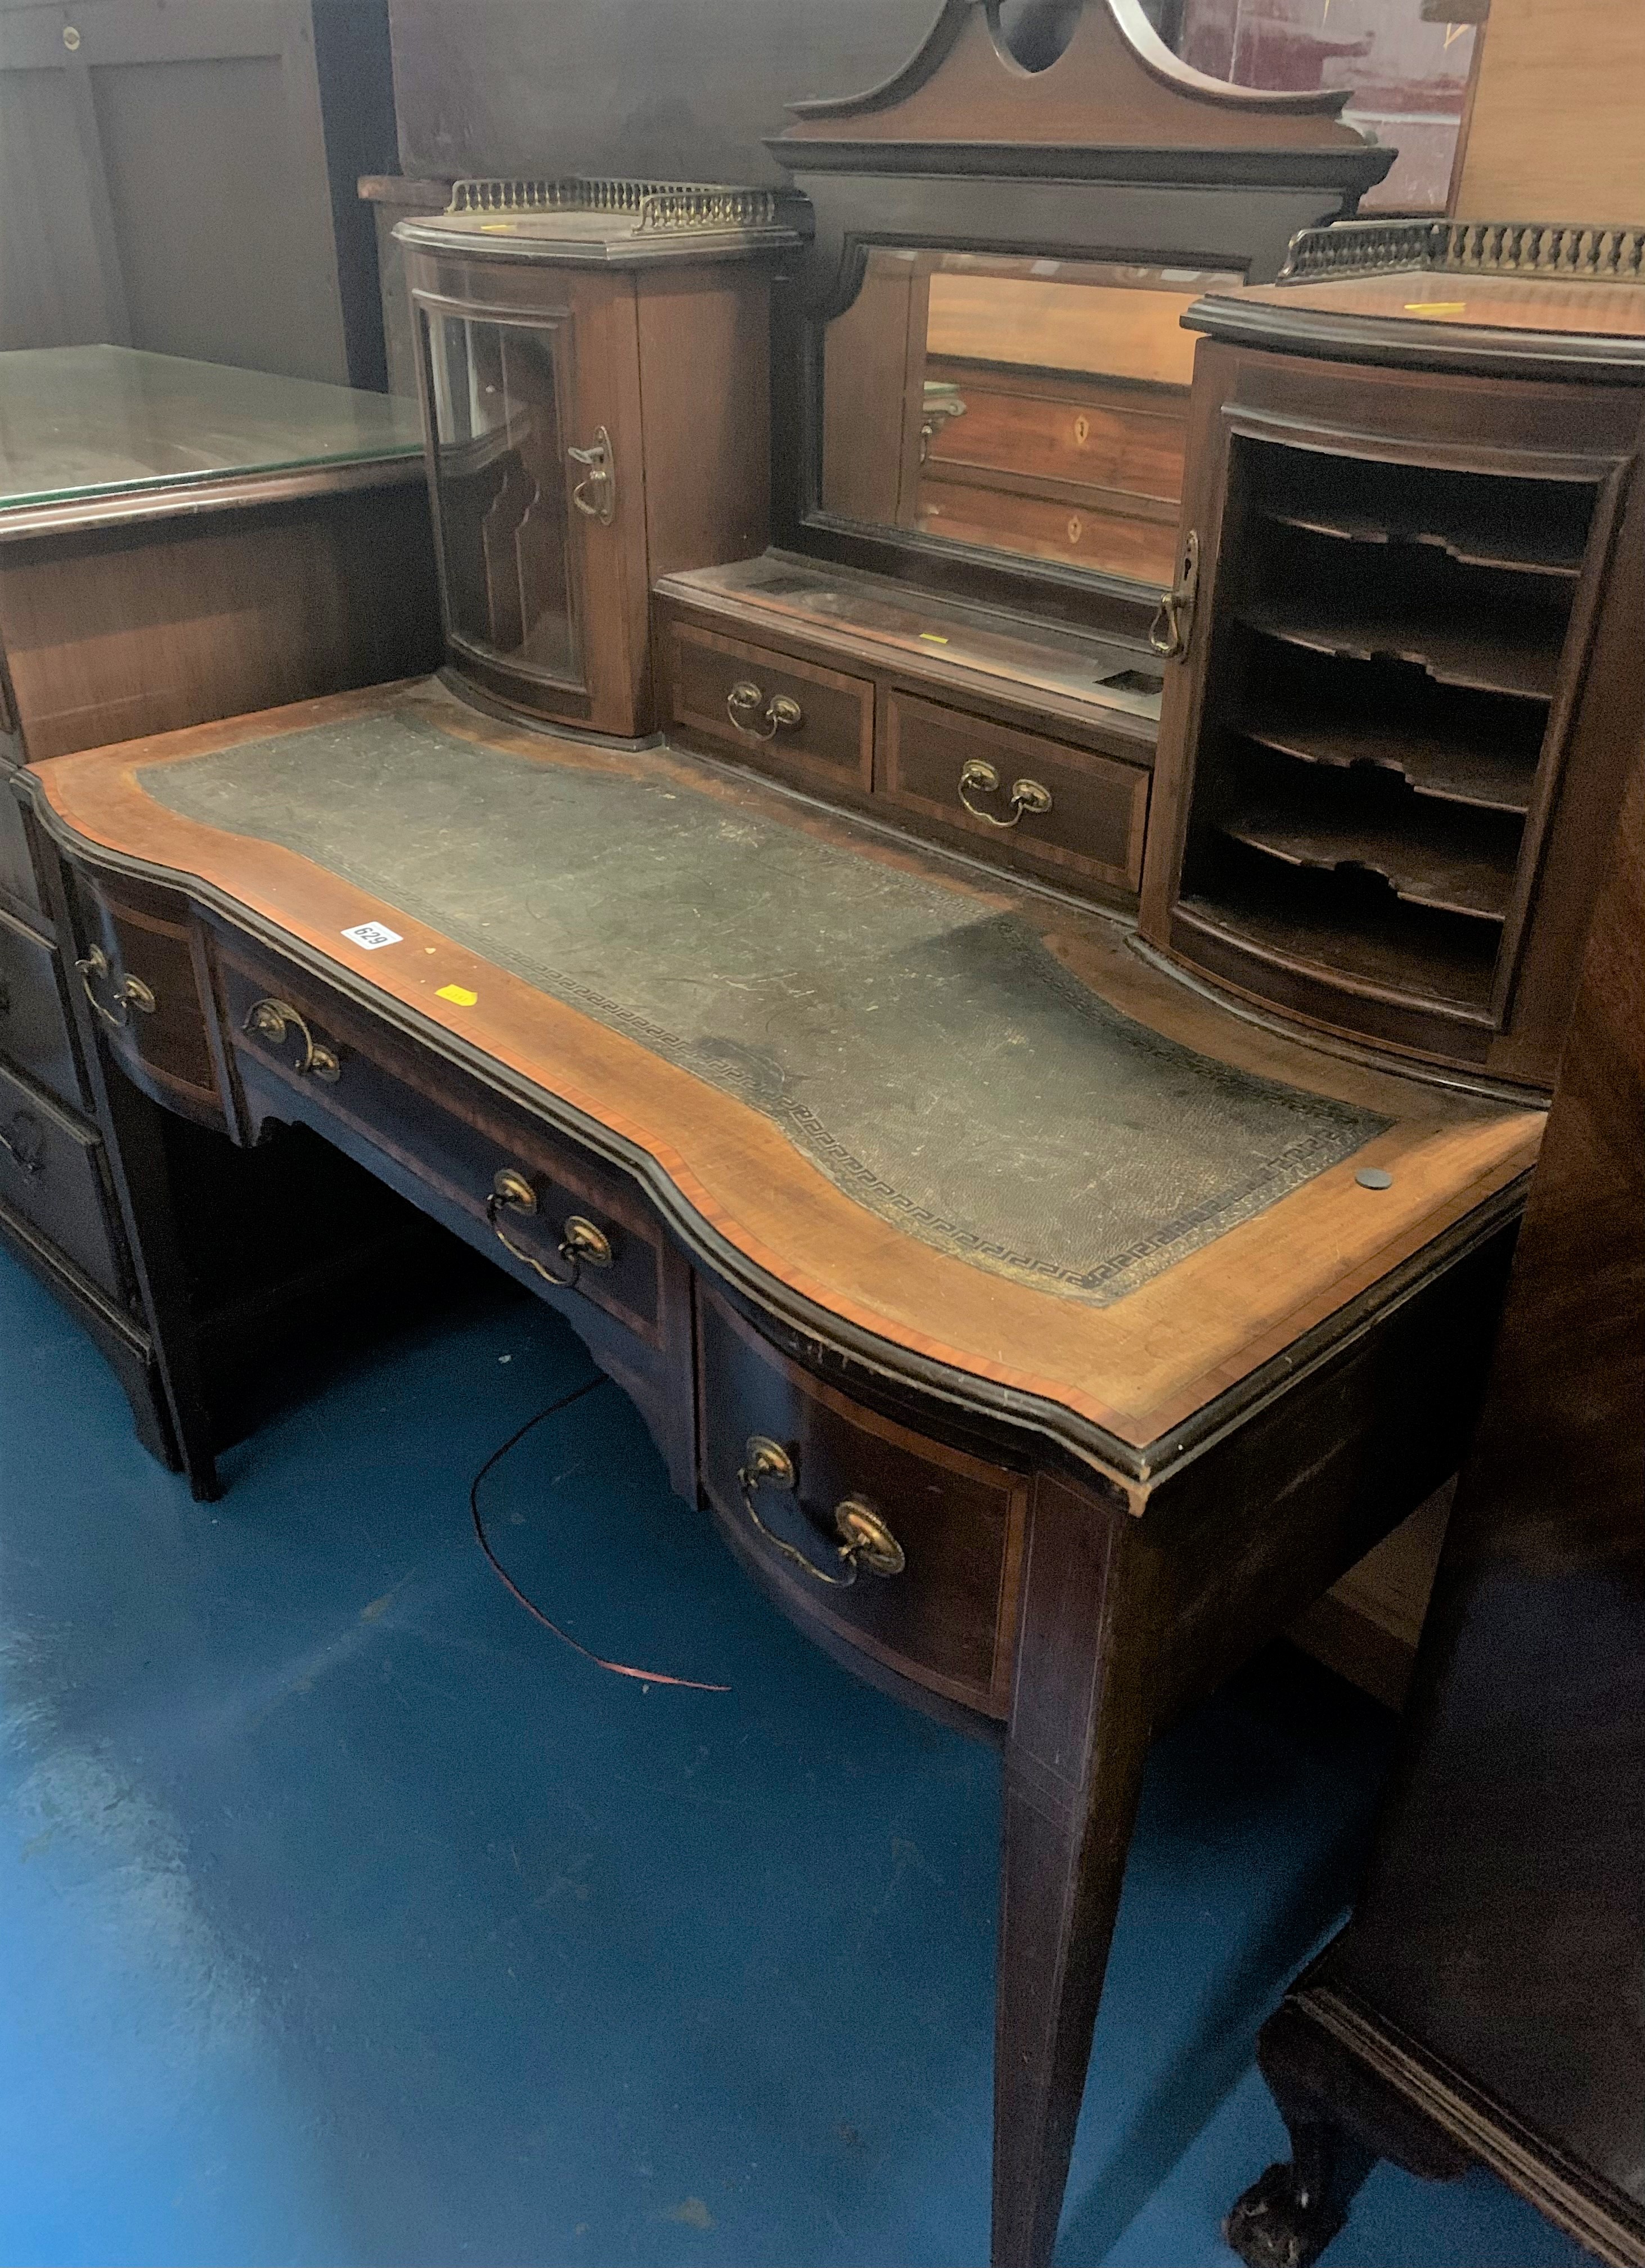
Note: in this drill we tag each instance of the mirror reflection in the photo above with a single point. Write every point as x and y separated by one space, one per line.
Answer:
1037 407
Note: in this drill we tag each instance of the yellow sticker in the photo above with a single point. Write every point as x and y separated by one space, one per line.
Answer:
1435 306
496 228
458 995
932 639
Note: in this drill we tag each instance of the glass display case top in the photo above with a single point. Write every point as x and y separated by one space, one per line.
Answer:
93 421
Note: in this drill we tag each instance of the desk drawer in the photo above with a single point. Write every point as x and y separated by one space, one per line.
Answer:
33 1023
791 717
545 1209
1081 819
946 1617
17 864
144 982
51 1172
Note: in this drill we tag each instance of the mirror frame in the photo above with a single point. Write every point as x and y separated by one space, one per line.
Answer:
963 149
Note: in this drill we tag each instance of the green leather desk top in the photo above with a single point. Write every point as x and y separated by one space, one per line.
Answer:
918 1045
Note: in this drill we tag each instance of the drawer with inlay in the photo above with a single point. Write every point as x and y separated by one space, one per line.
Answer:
904 1547
1066 813
51 1172
142 975
793 717
34 1033
542 1207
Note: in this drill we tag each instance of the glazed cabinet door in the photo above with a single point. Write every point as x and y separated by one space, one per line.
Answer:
536 481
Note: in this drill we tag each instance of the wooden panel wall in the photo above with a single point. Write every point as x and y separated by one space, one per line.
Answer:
688 87
670 87
178 175
1558 129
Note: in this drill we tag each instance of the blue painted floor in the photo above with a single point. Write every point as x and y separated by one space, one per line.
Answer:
346 1917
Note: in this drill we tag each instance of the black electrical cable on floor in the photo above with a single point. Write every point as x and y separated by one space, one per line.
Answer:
617 1668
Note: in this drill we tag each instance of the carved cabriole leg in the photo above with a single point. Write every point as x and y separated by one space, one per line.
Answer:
1074 1756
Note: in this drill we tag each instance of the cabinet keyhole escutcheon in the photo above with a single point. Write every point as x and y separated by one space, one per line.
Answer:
595 494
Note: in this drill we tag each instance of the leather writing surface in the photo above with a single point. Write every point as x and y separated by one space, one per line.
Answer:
918 1043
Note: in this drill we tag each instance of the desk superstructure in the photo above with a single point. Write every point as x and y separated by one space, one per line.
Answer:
737 946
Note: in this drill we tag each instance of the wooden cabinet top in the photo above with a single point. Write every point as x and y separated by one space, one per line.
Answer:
93 433
1501 298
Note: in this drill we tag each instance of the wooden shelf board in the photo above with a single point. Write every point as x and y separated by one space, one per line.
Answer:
1476 547
1473 656
1446 771
1451 875
1352 957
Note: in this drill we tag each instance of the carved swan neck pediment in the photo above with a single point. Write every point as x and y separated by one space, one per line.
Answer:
1115 84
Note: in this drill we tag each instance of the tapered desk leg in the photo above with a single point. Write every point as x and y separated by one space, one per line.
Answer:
1074 1757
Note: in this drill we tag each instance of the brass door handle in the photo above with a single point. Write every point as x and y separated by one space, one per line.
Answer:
130 992
25 1153
581 1244
1172 625
783 713
273 1020
864 1539
595 494
1025 794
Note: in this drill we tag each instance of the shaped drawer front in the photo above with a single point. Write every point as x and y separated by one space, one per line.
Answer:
927 1582
791 717
51 1174
33 1023
1037 804
543 1208
145 983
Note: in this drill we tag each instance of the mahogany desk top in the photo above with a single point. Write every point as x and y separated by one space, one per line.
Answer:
823 1041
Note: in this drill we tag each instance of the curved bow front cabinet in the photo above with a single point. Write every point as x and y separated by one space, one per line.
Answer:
1396 727
592 358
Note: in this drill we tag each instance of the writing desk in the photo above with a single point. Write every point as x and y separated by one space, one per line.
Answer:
1022 1318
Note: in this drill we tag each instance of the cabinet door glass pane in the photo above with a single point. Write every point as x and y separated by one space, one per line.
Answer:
500 480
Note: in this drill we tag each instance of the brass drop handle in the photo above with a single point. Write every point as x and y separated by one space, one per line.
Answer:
866 1541
1025 794
22 1143
130 992
273 1020
581 1244
1172 625
783 713
595 494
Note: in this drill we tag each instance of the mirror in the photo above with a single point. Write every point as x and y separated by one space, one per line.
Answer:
1038 407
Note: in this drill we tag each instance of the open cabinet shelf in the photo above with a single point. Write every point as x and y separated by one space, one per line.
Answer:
1383 676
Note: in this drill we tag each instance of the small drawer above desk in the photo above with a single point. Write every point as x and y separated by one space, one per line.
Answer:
794 718
34 1026
1033 803
927 1582
545 1209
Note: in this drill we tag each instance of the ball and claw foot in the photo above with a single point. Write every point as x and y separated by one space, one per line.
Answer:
1283 2220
